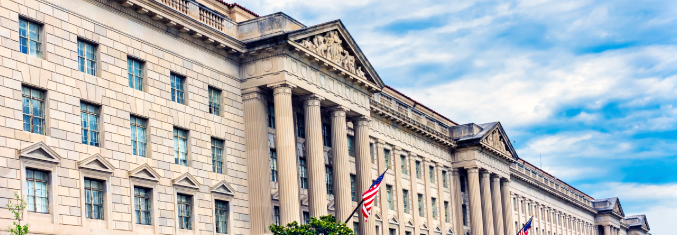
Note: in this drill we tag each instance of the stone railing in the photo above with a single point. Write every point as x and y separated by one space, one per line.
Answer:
179 5
411 123
207 16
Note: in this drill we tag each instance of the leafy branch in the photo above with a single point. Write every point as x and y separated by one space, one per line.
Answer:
17 206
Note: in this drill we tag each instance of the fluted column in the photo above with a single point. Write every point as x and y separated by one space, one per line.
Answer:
507 207
397 169
363 168
607 229
339 152
413 195
487 210
286 155
317 193
440 197
476 224
428 193
457 224
497 205
257 154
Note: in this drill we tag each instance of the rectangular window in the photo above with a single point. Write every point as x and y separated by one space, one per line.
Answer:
403 164
462 179
446 212
217 155
89 117
178 90
300 126
432 174
138 128
271 115
356 229
306 217
87 57
514 204
386 156
180 147
276 215
444 179
418 170
392 231
329 175
353 194
273 165
29 38
214 101
326 139
303 172
389 194
405 200
434 205
38 193
184 203
464 210
142 205
221 217
421 205
135 74
351 146
94 199
371 153
33 106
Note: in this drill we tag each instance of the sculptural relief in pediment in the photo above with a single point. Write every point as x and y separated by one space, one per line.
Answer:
496 140
329 46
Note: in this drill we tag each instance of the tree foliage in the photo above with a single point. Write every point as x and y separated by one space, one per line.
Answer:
325 225
17 206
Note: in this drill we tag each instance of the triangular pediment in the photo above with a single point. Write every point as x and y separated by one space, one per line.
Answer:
333 43
437 229
145 172
409 224
497 140
305 200
223 188
645 223
393 220
424 227
275 195
186 180
96 162
618 208
40 152
377 217
450 231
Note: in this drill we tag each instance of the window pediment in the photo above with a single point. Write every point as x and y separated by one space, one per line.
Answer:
145 172
437 229
393 220
186 181
424 227
39 155
223 189
96 166
409 224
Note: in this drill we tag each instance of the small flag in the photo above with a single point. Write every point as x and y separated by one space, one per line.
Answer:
369 196
527 227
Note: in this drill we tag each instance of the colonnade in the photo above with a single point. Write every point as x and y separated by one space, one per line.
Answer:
549 221
489 196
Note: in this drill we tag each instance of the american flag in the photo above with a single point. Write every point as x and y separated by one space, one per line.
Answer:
369 196
526 228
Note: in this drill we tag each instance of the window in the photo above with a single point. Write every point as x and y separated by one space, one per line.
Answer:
351 146
89 117
392 231
214 101
353 194
403 164
444 179
303 172
386 155
462 183
217 155
306 217
33 106
418 170
389 194
300 126
273 165
356 228
142 205
371 153
434 205
431 169
184 203
94 199
330 180
29 37
326 139
138 128
135 74
180 147
446 211
221 217
276 215
405 200
271 114
514 204
37 191
421 205
87 57
464 210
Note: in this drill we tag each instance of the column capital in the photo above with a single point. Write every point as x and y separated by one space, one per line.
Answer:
454 171
361 120
282 84
253 93
311 100
485 174
339 110
473 169
495 178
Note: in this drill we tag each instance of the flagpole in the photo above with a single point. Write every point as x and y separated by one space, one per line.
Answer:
358 205
518 232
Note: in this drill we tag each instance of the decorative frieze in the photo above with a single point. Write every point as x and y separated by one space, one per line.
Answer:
330 47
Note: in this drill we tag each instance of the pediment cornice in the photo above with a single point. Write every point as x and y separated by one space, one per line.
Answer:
41 153
186 180
516 174
223 188
145 172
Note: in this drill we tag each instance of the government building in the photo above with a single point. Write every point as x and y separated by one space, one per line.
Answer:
195 117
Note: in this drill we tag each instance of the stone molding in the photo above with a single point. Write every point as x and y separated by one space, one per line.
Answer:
411 123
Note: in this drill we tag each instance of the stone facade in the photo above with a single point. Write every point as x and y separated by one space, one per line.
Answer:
201 117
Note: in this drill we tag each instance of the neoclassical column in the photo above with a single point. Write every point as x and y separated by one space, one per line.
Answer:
257 151
399 205
607 229
339 152
428 192
413 194
476 224
456 202
440 197
487 210
286 154
317 191
507 207
363 168
497 205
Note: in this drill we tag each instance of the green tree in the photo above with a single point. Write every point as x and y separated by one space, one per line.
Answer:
325 225
17 206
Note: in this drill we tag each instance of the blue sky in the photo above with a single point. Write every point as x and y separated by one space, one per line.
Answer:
589 85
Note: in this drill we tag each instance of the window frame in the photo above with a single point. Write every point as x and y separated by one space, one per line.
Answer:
137 72
303 173
33 179
102 190
94 60
189 204
177 148
30 97
214 108
134 125
405 201
149 195
353 191
29 39
329 179
274 177
98 116
227 209
178 81
215 156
